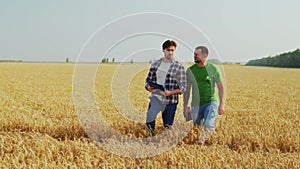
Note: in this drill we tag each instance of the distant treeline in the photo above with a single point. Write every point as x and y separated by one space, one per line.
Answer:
290 59
11 61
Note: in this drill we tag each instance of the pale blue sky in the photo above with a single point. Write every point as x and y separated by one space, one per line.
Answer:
35 30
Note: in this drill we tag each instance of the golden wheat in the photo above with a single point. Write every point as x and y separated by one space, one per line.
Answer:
40 128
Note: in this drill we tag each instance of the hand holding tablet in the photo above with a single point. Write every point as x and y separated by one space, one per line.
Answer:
156 86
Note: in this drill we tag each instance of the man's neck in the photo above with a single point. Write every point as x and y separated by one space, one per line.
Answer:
166 60
201 64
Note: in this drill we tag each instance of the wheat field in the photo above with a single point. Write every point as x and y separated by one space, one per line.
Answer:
41 129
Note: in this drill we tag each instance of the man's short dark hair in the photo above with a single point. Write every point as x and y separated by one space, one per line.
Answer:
169 43
203 49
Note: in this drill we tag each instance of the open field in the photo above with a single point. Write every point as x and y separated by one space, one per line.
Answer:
39 127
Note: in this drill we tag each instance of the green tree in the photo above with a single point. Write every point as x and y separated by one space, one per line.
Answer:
289 59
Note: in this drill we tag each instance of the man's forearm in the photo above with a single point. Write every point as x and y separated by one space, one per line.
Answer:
221 95
186 97
221 98
177 91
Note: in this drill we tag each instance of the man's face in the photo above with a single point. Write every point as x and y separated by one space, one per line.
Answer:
169 52
199 57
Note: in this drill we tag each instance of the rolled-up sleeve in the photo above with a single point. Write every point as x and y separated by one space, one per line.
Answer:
181 77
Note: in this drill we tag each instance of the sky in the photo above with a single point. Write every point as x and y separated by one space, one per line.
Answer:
238 31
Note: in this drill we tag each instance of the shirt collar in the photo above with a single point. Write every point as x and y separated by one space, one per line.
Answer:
172 61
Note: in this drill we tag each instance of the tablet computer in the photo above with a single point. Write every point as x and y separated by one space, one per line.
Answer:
156 86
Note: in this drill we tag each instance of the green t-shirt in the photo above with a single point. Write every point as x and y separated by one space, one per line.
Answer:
203 80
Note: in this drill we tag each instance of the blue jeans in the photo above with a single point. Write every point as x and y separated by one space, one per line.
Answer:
205 115
168 113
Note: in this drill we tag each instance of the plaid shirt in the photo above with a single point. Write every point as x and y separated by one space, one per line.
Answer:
175 79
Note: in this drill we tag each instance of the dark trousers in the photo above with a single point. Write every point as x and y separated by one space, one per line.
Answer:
154 107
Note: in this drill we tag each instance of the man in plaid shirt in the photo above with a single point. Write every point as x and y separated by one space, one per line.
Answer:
171 75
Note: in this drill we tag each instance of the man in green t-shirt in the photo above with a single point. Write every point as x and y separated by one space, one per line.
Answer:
202 77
